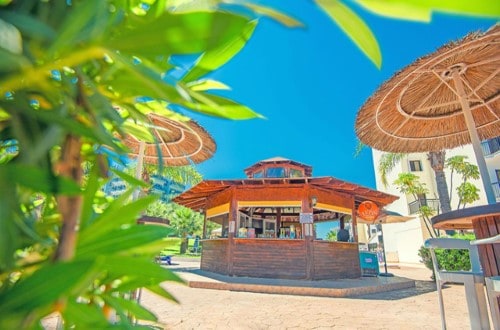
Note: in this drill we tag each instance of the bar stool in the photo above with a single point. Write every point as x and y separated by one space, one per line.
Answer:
473 281
492 284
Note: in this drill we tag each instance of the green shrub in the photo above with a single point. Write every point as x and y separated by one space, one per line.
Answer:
451 260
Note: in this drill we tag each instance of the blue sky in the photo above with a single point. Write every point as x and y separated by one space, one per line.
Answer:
309 83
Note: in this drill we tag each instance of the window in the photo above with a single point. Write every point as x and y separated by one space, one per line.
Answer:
494 145
275 172
415 165
294 173
258 174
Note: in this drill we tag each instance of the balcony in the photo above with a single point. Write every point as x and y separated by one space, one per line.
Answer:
414 206
491 146
496 190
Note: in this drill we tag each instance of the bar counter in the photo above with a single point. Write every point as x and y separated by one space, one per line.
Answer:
281 258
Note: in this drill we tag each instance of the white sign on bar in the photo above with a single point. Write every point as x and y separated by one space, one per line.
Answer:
306 218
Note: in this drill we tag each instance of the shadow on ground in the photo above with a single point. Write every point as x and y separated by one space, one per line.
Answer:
421 287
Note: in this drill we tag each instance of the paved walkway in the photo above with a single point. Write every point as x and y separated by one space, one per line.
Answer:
411 308
197 278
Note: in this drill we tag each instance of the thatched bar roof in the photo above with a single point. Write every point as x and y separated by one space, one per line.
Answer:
197 197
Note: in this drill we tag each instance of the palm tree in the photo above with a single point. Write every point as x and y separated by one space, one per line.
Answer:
437 159
467 192
408 183
185 221
454 163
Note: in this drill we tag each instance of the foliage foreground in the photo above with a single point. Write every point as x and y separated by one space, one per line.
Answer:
76 76
80 75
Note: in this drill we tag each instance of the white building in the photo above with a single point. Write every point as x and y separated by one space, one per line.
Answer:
403 240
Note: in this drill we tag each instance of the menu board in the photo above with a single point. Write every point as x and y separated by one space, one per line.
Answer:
306 218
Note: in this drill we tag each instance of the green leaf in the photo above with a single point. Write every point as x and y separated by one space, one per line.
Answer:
9 232
102 106
4 115
216 57
121 241
160 107
28 25
97 133
130 179
129 306
46 285
140 132
84 315
150 273
162 292
398 9
207 84
418 10
138 80
91 189
10 62
219 106
354 27
274 14
114 217
187 33
85 22
38 180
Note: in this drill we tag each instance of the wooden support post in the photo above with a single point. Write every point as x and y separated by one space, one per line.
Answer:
308 237
354 221
278 221
233 215
204 232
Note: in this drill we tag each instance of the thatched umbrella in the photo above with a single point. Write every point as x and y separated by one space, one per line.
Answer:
177 143
443 100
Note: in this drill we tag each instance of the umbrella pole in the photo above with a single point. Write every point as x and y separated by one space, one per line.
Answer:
386 274
476 144
136 294
138 169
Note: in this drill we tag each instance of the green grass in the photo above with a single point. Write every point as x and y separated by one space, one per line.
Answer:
173 247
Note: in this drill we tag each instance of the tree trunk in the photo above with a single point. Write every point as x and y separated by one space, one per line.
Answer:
442 188
70 206
184 244
437 159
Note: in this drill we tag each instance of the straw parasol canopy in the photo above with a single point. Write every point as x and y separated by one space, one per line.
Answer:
177 143
441 101
385 218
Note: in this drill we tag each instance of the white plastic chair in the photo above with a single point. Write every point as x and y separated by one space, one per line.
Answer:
473 281
492 284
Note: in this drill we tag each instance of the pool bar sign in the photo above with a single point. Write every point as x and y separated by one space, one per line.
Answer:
306 218
368 210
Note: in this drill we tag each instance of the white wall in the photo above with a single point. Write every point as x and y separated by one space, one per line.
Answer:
406 239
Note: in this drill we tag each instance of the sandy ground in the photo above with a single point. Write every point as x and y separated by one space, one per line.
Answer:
415 308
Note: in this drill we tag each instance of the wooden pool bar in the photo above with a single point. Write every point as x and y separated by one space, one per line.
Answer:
281 258
267 222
